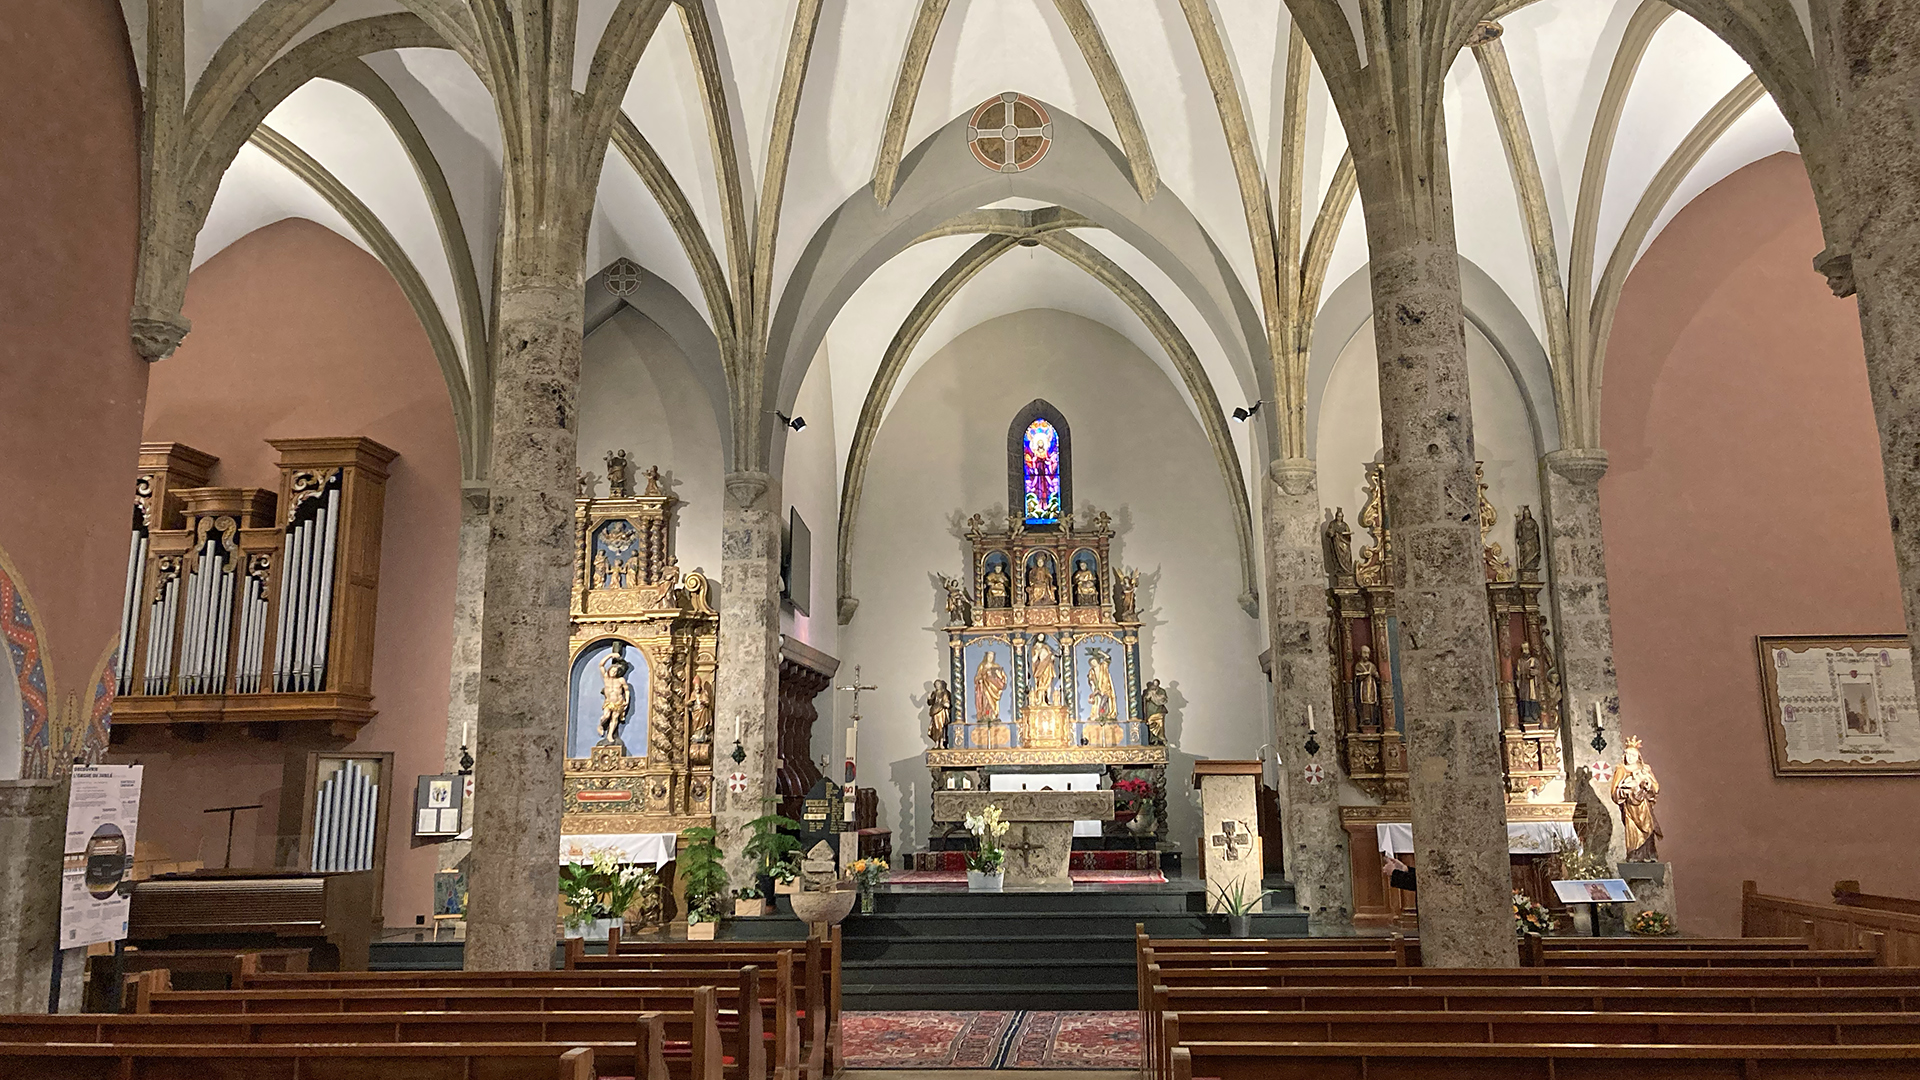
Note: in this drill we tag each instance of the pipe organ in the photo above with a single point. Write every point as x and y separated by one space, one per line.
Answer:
245 605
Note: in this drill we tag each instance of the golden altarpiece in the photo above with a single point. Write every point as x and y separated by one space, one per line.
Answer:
639 739
1043 640
1364 640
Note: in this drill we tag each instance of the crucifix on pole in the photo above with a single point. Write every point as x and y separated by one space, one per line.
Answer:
853 726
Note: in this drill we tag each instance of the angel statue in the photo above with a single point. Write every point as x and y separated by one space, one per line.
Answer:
959 604
1126 591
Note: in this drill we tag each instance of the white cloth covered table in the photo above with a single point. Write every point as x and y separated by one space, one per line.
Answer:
654 848
1523 838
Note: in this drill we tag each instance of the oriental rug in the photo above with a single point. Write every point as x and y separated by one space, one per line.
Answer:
991 1040
1080 877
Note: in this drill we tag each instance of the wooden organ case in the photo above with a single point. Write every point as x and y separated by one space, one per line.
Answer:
250 606
645 634
1369 726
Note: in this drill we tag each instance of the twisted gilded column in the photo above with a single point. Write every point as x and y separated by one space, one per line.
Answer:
1316 844
746 694
1583 628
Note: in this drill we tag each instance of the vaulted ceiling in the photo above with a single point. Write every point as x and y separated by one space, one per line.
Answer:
400 152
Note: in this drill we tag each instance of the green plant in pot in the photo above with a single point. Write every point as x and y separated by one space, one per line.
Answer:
749 902
704 879
602 890
1238 907
771 845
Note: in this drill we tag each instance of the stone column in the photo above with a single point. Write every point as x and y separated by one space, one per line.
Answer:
1446 661
33 820
1316 844
748 680
463 682
1866 173
524 624
1583 629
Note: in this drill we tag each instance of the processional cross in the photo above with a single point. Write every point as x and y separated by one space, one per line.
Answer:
853 728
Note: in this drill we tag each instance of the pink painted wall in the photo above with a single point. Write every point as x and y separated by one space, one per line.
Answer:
71 386
1745 497
297 332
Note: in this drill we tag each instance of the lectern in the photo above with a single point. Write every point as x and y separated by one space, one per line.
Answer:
1230 839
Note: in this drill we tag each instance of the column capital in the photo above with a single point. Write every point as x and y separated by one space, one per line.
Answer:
1296 476
1582 465
745 488
156 334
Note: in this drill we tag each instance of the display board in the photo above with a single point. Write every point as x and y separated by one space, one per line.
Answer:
1840 706
103 812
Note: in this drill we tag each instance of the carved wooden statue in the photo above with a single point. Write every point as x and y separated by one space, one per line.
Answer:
939 712
1636 790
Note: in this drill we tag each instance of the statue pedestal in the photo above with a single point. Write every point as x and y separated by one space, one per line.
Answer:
1652 885
1040 843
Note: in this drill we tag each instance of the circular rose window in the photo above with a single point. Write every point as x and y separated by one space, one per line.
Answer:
1010 132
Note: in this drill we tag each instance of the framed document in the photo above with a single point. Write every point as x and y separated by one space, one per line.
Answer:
1840 706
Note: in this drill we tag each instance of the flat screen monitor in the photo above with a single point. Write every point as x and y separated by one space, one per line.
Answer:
796 564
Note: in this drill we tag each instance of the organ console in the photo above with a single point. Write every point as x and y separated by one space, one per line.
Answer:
245 605
331 914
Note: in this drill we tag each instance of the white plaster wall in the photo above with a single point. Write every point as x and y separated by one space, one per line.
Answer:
1138 454
638 393
810 483
1349 433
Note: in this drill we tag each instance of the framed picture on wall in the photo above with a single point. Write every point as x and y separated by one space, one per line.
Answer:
1840 705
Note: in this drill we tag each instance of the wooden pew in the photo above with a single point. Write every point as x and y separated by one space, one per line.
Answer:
1161 975
1888 925
623 1044
778 993
1517 1061
1730 999
415 1061
739 1032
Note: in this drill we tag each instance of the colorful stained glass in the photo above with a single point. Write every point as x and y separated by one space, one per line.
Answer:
1042 446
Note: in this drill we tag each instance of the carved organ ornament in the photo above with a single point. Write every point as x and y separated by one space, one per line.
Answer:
244 605
1364 641
644 642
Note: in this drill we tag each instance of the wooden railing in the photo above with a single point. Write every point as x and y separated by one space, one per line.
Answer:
1854 920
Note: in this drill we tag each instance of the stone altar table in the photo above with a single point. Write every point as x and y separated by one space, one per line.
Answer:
1040 843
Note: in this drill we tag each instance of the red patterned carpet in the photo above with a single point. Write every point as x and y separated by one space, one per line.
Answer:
991 1040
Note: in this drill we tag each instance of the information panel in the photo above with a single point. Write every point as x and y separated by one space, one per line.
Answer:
102 813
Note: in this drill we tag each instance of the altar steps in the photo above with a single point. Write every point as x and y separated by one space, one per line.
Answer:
934 947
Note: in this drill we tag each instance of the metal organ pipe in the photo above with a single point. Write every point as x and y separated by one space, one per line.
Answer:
222 627
323 598
289 588
130 612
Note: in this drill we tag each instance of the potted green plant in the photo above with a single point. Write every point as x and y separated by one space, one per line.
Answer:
749 902
601 891
704 879
786 875
987 862
1237 907
771 844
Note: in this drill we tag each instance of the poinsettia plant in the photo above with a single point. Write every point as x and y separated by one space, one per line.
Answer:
1132 790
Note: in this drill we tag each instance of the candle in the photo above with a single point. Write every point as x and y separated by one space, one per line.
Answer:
466 729
1310 727
736 729
1597 723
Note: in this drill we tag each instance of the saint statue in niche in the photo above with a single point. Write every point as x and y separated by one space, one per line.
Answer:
1366 691
1636 790
998 590
1042 668
1153 709
1526 686
1040 592
616 694
989 682
1100 700
1086 584
939 712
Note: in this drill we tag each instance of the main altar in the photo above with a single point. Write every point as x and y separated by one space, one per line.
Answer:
1043 675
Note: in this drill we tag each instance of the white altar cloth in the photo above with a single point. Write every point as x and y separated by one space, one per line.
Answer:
1051 782
1523 838
655 848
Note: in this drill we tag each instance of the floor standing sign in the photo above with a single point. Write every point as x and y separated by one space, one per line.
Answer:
95 892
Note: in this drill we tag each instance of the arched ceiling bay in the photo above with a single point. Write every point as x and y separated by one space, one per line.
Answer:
706 95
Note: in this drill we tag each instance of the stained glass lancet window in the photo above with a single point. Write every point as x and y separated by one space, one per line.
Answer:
1040 467
1040 473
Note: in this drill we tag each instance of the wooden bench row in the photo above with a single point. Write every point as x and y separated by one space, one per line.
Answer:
332 1061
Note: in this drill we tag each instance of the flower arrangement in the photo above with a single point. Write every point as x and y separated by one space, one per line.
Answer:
987 827
1530 916
1132 790
1651 924
603 887
868 873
